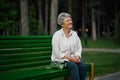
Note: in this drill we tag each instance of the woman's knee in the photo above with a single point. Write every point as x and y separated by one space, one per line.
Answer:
82 65
72 65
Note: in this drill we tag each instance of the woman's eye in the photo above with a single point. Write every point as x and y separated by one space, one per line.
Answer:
67 20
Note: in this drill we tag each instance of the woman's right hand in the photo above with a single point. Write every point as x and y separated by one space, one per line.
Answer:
72 59
75 60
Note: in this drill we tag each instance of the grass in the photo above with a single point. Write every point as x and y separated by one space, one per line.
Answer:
101 43
104 62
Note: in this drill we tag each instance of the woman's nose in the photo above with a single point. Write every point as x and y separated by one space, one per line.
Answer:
70 22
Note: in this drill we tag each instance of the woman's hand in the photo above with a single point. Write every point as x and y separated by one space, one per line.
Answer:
75 59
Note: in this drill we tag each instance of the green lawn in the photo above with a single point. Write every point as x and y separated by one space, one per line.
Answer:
104 62
102 43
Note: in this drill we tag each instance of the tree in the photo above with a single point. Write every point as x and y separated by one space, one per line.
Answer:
40 21
94 37
93 5
70 6
117 21
8 17
83 17
54 10
98 25
46 17
33 18
99 13
24 17
117 26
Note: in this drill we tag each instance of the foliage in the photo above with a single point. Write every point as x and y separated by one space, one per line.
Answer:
8 16
117 27
35 26
33 23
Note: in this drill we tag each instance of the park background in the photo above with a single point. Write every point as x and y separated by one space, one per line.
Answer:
97 23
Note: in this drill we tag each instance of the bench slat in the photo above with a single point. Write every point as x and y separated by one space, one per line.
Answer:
24 55
25 41
23 65
24 37
23 60
30 45
25 50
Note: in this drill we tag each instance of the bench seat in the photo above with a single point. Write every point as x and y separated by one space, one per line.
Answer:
35 73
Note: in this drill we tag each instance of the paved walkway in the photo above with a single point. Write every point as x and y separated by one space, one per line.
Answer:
102 50
114 76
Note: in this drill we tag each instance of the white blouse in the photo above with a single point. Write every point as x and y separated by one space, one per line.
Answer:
62 46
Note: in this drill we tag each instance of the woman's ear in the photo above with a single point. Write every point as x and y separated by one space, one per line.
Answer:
62 24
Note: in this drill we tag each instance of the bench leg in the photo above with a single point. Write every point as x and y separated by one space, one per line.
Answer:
67 78
91 73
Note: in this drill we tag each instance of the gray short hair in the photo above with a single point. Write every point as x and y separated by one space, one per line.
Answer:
61 17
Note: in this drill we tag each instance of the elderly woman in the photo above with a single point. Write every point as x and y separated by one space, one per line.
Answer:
66 48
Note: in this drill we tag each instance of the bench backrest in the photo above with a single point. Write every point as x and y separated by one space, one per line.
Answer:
21 52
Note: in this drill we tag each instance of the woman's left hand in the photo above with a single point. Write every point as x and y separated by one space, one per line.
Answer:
78 58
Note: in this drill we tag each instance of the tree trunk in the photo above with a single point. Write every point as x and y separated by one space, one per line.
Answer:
93 26
40 21
98 29
83 18
46 17
70 6
24 18
53 17
98 25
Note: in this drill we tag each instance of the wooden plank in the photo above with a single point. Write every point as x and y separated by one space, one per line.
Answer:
25 50
24 55
23 60
30 45
23 65
25 41
23 37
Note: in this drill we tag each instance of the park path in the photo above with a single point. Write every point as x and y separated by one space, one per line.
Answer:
102 50
113 76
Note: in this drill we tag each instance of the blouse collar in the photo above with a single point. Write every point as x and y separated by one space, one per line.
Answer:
63 34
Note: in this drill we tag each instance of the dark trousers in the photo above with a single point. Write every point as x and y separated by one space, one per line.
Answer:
77 70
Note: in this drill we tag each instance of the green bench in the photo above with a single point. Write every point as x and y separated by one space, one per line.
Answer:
28 58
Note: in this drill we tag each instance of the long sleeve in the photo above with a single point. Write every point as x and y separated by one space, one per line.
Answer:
56 48
79 47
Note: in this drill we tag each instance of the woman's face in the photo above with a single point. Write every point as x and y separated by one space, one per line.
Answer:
67 23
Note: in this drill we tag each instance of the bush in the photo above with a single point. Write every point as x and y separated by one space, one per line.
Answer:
117 27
